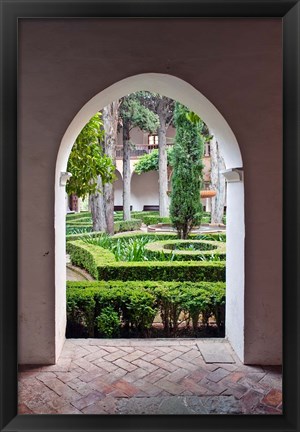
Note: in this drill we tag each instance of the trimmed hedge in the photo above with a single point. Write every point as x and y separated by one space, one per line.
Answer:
119 226
89 256
216 236
101 264
75 216
80 236
77 230
154 220
137 303
132 225
214 248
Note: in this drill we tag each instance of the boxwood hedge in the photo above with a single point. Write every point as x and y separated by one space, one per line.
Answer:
206 248
137 303
119 225
101 264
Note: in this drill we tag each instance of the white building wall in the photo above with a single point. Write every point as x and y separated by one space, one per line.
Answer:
144 190
118 190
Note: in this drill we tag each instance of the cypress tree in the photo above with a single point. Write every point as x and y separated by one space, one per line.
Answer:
186 208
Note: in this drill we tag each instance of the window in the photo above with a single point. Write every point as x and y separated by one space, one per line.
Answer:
152 140
207 149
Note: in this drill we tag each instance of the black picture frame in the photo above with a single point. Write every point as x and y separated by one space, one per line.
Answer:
11 11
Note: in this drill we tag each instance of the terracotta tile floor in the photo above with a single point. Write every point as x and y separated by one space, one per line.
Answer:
95 376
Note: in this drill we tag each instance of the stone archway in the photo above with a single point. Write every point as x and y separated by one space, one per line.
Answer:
183 92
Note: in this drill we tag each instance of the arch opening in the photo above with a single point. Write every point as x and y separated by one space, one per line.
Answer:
183 92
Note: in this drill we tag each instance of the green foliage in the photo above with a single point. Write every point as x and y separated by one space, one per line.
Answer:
80 312
108 322
221 237
87 161
188 250
131 225
74 216
89 256
134 114
124 249
101 264
143 248
185 207
153 220
114 305
77 229
132 306
82 226
161 105
149 161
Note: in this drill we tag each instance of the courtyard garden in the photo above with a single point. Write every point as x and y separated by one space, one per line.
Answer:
147 282
146 285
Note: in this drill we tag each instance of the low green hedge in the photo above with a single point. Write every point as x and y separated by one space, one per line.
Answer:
154 220
101 264
75 216
80 236
80 221
132 225
156 236
119 226
89 256
167 247
77 230
135 305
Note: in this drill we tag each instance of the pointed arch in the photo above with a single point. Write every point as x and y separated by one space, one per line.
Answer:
183 92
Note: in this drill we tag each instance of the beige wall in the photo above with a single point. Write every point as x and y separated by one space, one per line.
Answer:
235 63
144 190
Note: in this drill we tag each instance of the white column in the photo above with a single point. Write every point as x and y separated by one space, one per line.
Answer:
235 257
60 263
208 205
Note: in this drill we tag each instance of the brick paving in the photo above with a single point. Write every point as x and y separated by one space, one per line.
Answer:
134 376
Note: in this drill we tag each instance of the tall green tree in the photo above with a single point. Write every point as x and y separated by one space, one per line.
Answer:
102 201
186 207
133 114
89 166
164 108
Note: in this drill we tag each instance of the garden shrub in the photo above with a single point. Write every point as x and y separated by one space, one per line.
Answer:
75 216
80 312
88 256
108 322
154 220
101 264
135 308
202 249
82 236
119 226
80 221
135 304
131 225
70 230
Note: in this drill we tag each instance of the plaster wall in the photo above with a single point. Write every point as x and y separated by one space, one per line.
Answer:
237 68
144 190
118 189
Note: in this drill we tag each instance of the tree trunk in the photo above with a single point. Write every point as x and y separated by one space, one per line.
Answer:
217 182
97 205
163 166
126 173
110 125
